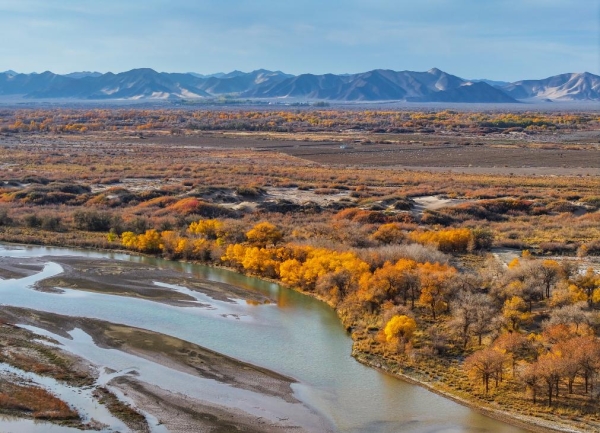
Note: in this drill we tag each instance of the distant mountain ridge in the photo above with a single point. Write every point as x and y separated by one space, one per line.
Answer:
376 85
82 74
575 87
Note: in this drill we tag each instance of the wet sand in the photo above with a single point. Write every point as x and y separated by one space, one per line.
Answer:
177 412
36 375
134 280
181 414
12 268
163 349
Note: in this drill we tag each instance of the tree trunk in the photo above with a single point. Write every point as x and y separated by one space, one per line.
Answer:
570 385
550 386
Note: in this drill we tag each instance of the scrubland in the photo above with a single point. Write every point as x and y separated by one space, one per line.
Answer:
419 289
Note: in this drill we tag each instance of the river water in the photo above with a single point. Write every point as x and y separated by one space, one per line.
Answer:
298 337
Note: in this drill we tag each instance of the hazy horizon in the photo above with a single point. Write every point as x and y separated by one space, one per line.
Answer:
504 40
274 70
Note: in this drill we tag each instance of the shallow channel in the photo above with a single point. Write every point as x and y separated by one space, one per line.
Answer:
299 337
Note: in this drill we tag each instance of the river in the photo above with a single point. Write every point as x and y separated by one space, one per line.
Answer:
298 337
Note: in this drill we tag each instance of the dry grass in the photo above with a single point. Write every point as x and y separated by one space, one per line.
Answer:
38 402
166 181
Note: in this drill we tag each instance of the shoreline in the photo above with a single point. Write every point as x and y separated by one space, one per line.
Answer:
182 413
530 423
522 421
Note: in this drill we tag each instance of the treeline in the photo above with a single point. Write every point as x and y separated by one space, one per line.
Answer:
177 121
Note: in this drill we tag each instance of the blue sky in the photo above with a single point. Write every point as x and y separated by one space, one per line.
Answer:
495 39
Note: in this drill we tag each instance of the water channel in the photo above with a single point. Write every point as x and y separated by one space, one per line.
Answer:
298 337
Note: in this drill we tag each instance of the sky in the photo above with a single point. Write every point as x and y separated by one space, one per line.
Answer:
494 39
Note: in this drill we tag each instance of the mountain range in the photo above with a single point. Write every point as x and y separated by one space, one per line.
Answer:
377 85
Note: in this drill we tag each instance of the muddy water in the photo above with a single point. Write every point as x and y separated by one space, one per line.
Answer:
299 337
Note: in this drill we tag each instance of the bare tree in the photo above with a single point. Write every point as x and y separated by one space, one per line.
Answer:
472 315
551 272
549 368
516 345
532 378
485 364
570 314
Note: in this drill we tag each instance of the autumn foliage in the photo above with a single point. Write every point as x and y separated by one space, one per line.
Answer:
420 292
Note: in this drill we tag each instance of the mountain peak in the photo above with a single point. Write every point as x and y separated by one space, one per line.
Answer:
568 87
82 74
434 85
140 71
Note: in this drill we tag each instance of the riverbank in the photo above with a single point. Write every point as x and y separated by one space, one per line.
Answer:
139 281
177 412
537 424
44 383
270 393
412 375
522 421
480 406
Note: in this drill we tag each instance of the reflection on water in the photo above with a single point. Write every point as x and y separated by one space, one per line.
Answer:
301 337
10 424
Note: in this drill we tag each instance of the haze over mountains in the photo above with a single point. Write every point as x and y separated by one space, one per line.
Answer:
377 85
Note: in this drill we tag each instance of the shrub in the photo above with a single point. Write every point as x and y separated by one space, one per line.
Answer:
138 225
93 221
32 221
557 247
250 191
593 201
561 206
4 218
451 240
51 223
